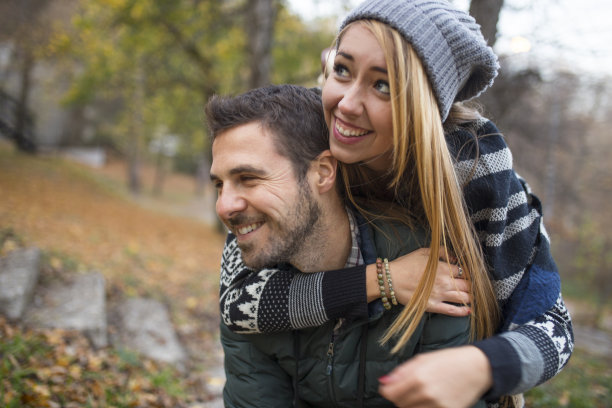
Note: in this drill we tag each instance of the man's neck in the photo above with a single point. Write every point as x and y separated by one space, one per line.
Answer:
329 246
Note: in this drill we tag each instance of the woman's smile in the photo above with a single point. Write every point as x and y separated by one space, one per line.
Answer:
346 133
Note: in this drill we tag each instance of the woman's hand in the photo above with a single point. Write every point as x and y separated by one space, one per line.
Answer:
406 271
454 377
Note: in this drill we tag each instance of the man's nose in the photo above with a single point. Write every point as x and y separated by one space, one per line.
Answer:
230 203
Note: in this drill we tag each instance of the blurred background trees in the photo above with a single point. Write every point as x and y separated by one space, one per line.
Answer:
132 77
24 27
132 72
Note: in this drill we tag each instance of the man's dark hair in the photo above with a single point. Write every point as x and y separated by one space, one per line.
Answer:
293 114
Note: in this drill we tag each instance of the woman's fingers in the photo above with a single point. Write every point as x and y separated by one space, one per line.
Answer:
449 309
446 256
450 296
456 296
450 261
453 303
460 285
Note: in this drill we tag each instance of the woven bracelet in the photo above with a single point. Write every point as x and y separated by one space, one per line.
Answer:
390 282
381 284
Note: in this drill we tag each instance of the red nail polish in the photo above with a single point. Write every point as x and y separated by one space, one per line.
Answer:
383 379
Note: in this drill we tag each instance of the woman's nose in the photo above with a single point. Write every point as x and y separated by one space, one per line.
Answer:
351 103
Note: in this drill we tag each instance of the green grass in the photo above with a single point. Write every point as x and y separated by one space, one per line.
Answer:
14 370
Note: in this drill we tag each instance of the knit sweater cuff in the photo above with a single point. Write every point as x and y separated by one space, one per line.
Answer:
505 365
344 293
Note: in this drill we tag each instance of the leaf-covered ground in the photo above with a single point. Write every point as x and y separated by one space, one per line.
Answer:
58 368
84 220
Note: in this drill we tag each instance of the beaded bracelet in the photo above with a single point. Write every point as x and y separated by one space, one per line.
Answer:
390 282
381 284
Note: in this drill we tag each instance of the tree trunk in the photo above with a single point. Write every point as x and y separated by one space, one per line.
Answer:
160 174
486 13
202 174
137 134
261 16
550 173
22 121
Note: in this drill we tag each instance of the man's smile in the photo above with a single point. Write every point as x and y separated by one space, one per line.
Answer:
245 229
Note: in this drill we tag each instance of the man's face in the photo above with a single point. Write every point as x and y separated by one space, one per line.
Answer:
259 197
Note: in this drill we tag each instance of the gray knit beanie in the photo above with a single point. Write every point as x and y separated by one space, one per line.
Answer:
459 64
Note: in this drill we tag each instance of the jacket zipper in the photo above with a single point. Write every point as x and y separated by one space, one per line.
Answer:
330 356
330 366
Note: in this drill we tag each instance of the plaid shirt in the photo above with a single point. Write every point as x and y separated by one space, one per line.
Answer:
355 258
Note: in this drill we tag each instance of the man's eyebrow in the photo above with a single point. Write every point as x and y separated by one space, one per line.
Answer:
240 170
349 57
247 169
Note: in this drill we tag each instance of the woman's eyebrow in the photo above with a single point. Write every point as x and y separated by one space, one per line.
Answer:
349 57
346 55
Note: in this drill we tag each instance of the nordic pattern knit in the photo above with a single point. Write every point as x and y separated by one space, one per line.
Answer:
535 340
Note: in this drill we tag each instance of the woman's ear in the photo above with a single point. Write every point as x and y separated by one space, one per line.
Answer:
325 171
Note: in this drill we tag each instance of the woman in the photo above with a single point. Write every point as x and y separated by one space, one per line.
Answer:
393 119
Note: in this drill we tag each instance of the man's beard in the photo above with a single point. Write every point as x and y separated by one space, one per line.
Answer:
290 235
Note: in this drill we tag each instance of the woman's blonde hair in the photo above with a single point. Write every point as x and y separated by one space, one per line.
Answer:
422 181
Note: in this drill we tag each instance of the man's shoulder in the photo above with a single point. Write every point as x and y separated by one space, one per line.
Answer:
389 238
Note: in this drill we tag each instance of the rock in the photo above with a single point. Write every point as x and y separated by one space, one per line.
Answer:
79 304
18 276
143 325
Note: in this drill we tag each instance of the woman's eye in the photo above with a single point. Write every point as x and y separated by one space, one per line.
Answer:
382 87
340 70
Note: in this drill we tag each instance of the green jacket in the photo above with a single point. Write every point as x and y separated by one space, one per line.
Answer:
337 364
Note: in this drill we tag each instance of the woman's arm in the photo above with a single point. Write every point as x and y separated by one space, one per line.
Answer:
280 299
537 338
284 298
449 296
529 354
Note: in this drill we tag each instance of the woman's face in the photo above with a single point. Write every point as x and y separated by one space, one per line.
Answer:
356 101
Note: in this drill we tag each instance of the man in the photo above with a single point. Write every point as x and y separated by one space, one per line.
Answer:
277 192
